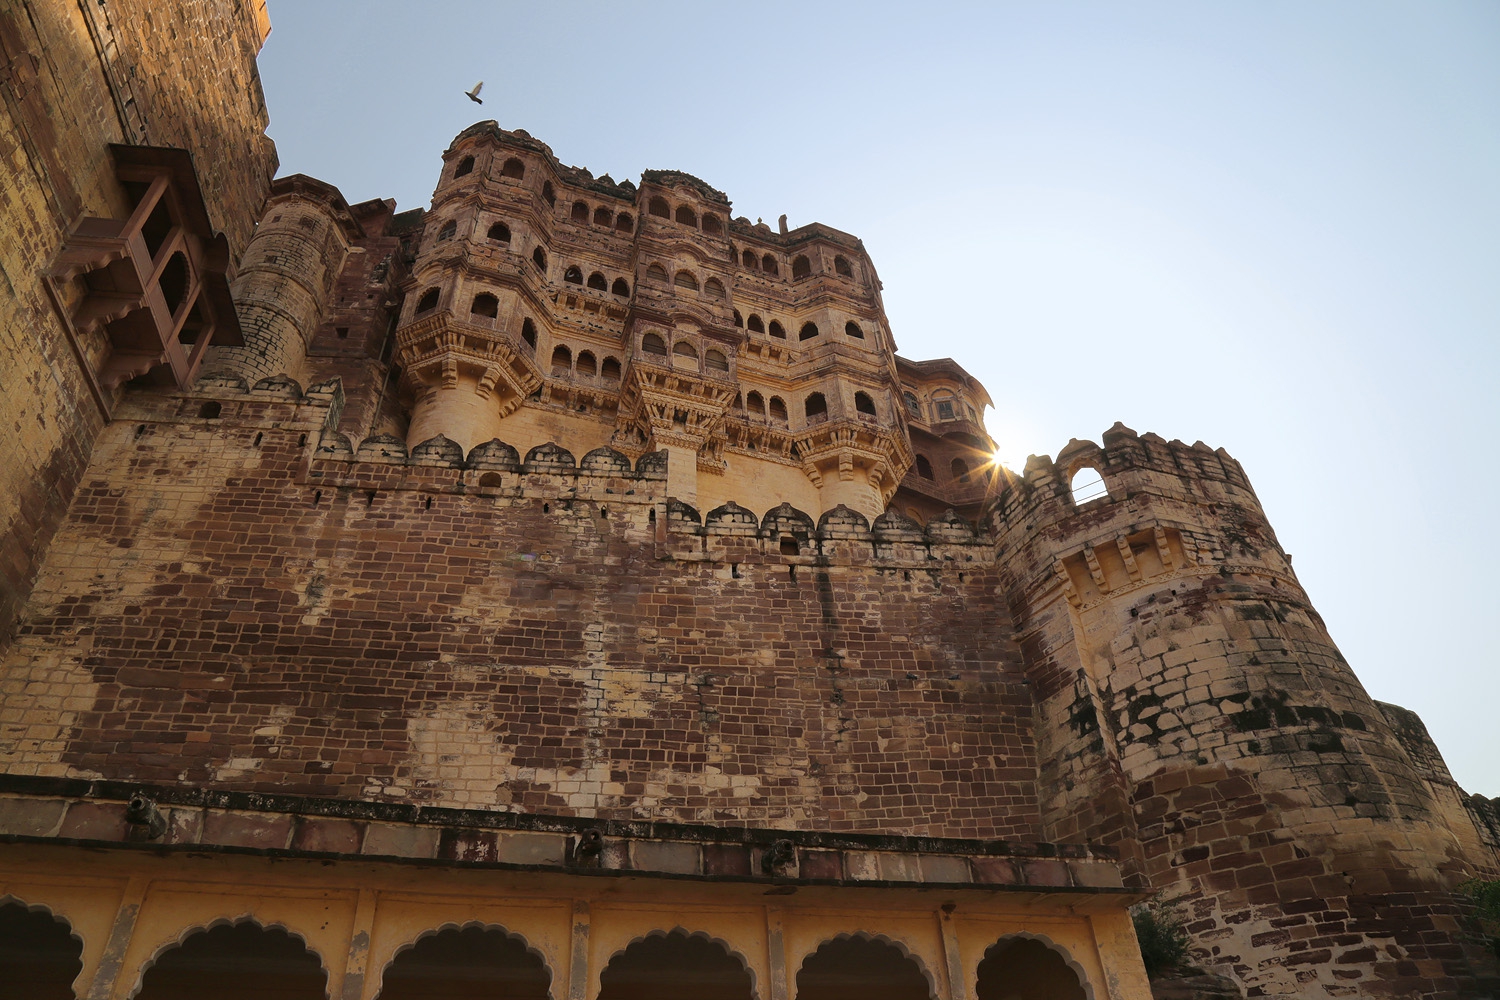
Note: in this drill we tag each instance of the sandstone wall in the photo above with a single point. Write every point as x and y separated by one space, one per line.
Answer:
226 606
82 76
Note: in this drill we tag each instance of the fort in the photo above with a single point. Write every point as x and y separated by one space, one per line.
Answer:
565 590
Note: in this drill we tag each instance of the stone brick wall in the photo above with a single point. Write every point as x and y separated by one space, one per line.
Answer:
82 76
223 608
1192 705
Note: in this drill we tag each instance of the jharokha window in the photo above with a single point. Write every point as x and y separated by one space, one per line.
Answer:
153 291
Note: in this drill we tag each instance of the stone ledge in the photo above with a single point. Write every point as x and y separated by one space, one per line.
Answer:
94 814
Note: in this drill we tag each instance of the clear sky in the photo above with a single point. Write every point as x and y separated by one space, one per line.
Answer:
1274 227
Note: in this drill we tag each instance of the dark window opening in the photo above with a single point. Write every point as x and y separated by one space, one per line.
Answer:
515 168
562 360
686 216
449 228
174 281
816 406
924 468
652 343
499 232
715 361
210 410
738 319
620 287
586 364
841 266
624 223
548 195
777 408
808 331
801 267
485 304
580 212
960 470
851 329
242 960
768 264
573 276
602 217
528 333
428 301
789 546
465 166
712 226
685 280
674 967
756 324
863 403
597 280
659 207
713 288
750 262
610 369
656 273
539 258
755 404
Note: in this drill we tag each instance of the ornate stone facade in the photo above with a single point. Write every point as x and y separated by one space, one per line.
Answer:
567 588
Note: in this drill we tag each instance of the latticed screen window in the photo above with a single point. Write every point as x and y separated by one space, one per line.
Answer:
912 405
945 409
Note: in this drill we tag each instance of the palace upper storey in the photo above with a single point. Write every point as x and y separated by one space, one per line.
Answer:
535 303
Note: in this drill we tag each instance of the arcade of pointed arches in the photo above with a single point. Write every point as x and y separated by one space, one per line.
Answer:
242 957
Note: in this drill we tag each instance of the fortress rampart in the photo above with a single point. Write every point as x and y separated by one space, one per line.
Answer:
1194 711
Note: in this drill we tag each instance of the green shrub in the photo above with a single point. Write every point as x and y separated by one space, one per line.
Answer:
1485 895
1158 928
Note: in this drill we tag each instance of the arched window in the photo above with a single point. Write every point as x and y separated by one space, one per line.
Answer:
851 329
674 966
548 194
801 267
241 960
1087 485
860 967
580 212
515 168
816 406
586 364
841 266
449 228
485 304
466 962
601 217
428 301
863 403
562 360
39 956
808 331
960 470
738 319
465 166
755 403
713 289
756 325
750 262
739 401
528 333
685 279
539 258
597 280
683 349
659 208
777 330
777 408
620 287
573 275
624 223
715 361
499 232
652 343
656 273
686 216
610 369
712 226
768 264
913 405
1026 967
924 468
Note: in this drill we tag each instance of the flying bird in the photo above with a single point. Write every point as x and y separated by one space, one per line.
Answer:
473 95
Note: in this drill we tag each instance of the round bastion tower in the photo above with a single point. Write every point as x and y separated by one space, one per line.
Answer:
1194 711
285 279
